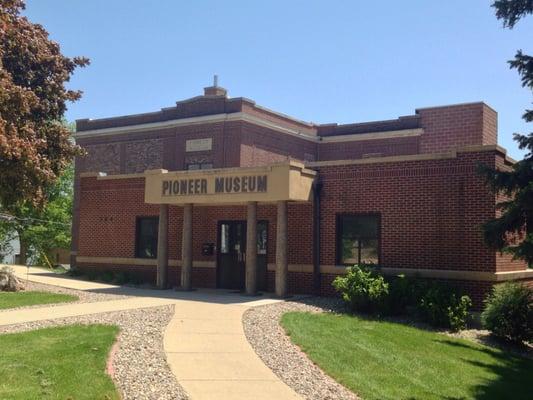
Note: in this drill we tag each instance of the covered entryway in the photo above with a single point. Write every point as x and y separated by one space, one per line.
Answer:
231 255
241 260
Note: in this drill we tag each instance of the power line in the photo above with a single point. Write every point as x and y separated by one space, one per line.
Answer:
9 217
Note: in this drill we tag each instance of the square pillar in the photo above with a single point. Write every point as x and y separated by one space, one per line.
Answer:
281 250
162 247
251 248
186 248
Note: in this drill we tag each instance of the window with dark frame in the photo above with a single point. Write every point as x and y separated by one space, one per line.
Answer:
196 166
146 237
262 237
358 239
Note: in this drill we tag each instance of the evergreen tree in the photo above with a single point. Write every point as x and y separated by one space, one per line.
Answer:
512 231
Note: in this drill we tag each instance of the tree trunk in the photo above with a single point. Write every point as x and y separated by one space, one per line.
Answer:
23 250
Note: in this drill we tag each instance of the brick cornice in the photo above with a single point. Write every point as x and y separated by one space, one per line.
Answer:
245 117
413 157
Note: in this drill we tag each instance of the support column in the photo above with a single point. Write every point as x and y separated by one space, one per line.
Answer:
251 249
281 250
186 248
162 247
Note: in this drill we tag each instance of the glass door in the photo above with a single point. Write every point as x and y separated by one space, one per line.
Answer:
231 255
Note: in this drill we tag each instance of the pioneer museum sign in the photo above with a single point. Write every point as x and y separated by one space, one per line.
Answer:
231 184
288 181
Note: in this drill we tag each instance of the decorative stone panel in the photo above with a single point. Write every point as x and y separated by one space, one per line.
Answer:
143 155
101 158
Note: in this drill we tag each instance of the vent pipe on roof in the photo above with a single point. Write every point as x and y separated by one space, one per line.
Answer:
215 90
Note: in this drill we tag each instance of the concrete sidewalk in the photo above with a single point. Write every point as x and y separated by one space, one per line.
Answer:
72 310
204 342
41 275
208 352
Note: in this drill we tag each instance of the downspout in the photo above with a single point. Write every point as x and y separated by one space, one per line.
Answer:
317 188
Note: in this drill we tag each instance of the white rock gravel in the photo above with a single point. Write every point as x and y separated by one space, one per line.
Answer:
83 296
289 363
140 368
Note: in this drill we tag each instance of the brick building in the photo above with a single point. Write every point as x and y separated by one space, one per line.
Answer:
221 192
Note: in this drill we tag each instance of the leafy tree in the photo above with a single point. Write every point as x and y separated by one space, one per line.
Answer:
34 143
512 231
40 230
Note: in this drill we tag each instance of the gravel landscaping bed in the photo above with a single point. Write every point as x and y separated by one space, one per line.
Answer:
84 296
289 363
140 369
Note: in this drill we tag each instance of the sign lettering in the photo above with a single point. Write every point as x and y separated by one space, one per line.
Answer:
231 184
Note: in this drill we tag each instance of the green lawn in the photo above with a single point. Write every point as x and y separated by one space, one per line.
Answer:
57 363
383 360
19 299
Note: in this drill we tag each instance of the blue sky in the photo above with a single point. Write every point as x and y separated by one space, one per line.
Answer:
321 61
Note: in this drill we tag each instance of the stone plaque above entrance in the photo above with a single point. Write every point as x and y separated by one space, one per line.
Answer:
205 144
290 181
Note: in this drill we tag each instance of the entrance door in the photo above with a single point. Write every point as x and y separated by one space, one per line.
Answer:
231 266
231 254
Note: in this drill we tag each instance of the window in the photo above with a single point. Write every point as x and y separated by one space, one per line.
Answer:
262 235
358 239
226 231
146 237
224 239
195 166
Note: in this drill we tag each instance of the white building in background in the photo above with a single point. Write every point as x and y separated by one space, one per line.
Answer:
12 256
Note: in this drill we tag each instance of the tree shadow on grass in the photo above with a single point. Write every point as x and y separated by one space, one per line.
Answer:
513 374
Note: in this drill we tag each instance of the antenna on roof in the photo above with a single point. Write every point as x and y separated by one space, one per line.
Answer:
215 80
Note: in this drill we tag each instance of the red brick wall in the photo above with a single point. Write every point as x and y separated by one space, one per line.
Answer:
490 125
358 149
431 211
108 211
263 146
449 127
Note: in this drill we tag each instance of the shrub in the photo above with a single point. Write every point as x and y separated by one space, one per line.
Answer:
362 289
404 293
508 312
120 278
74 272
91 275
107 276
442 306
134 278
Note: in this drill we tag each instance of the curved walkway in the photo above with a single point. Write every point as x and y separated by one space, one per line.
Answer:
204 342
211 357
